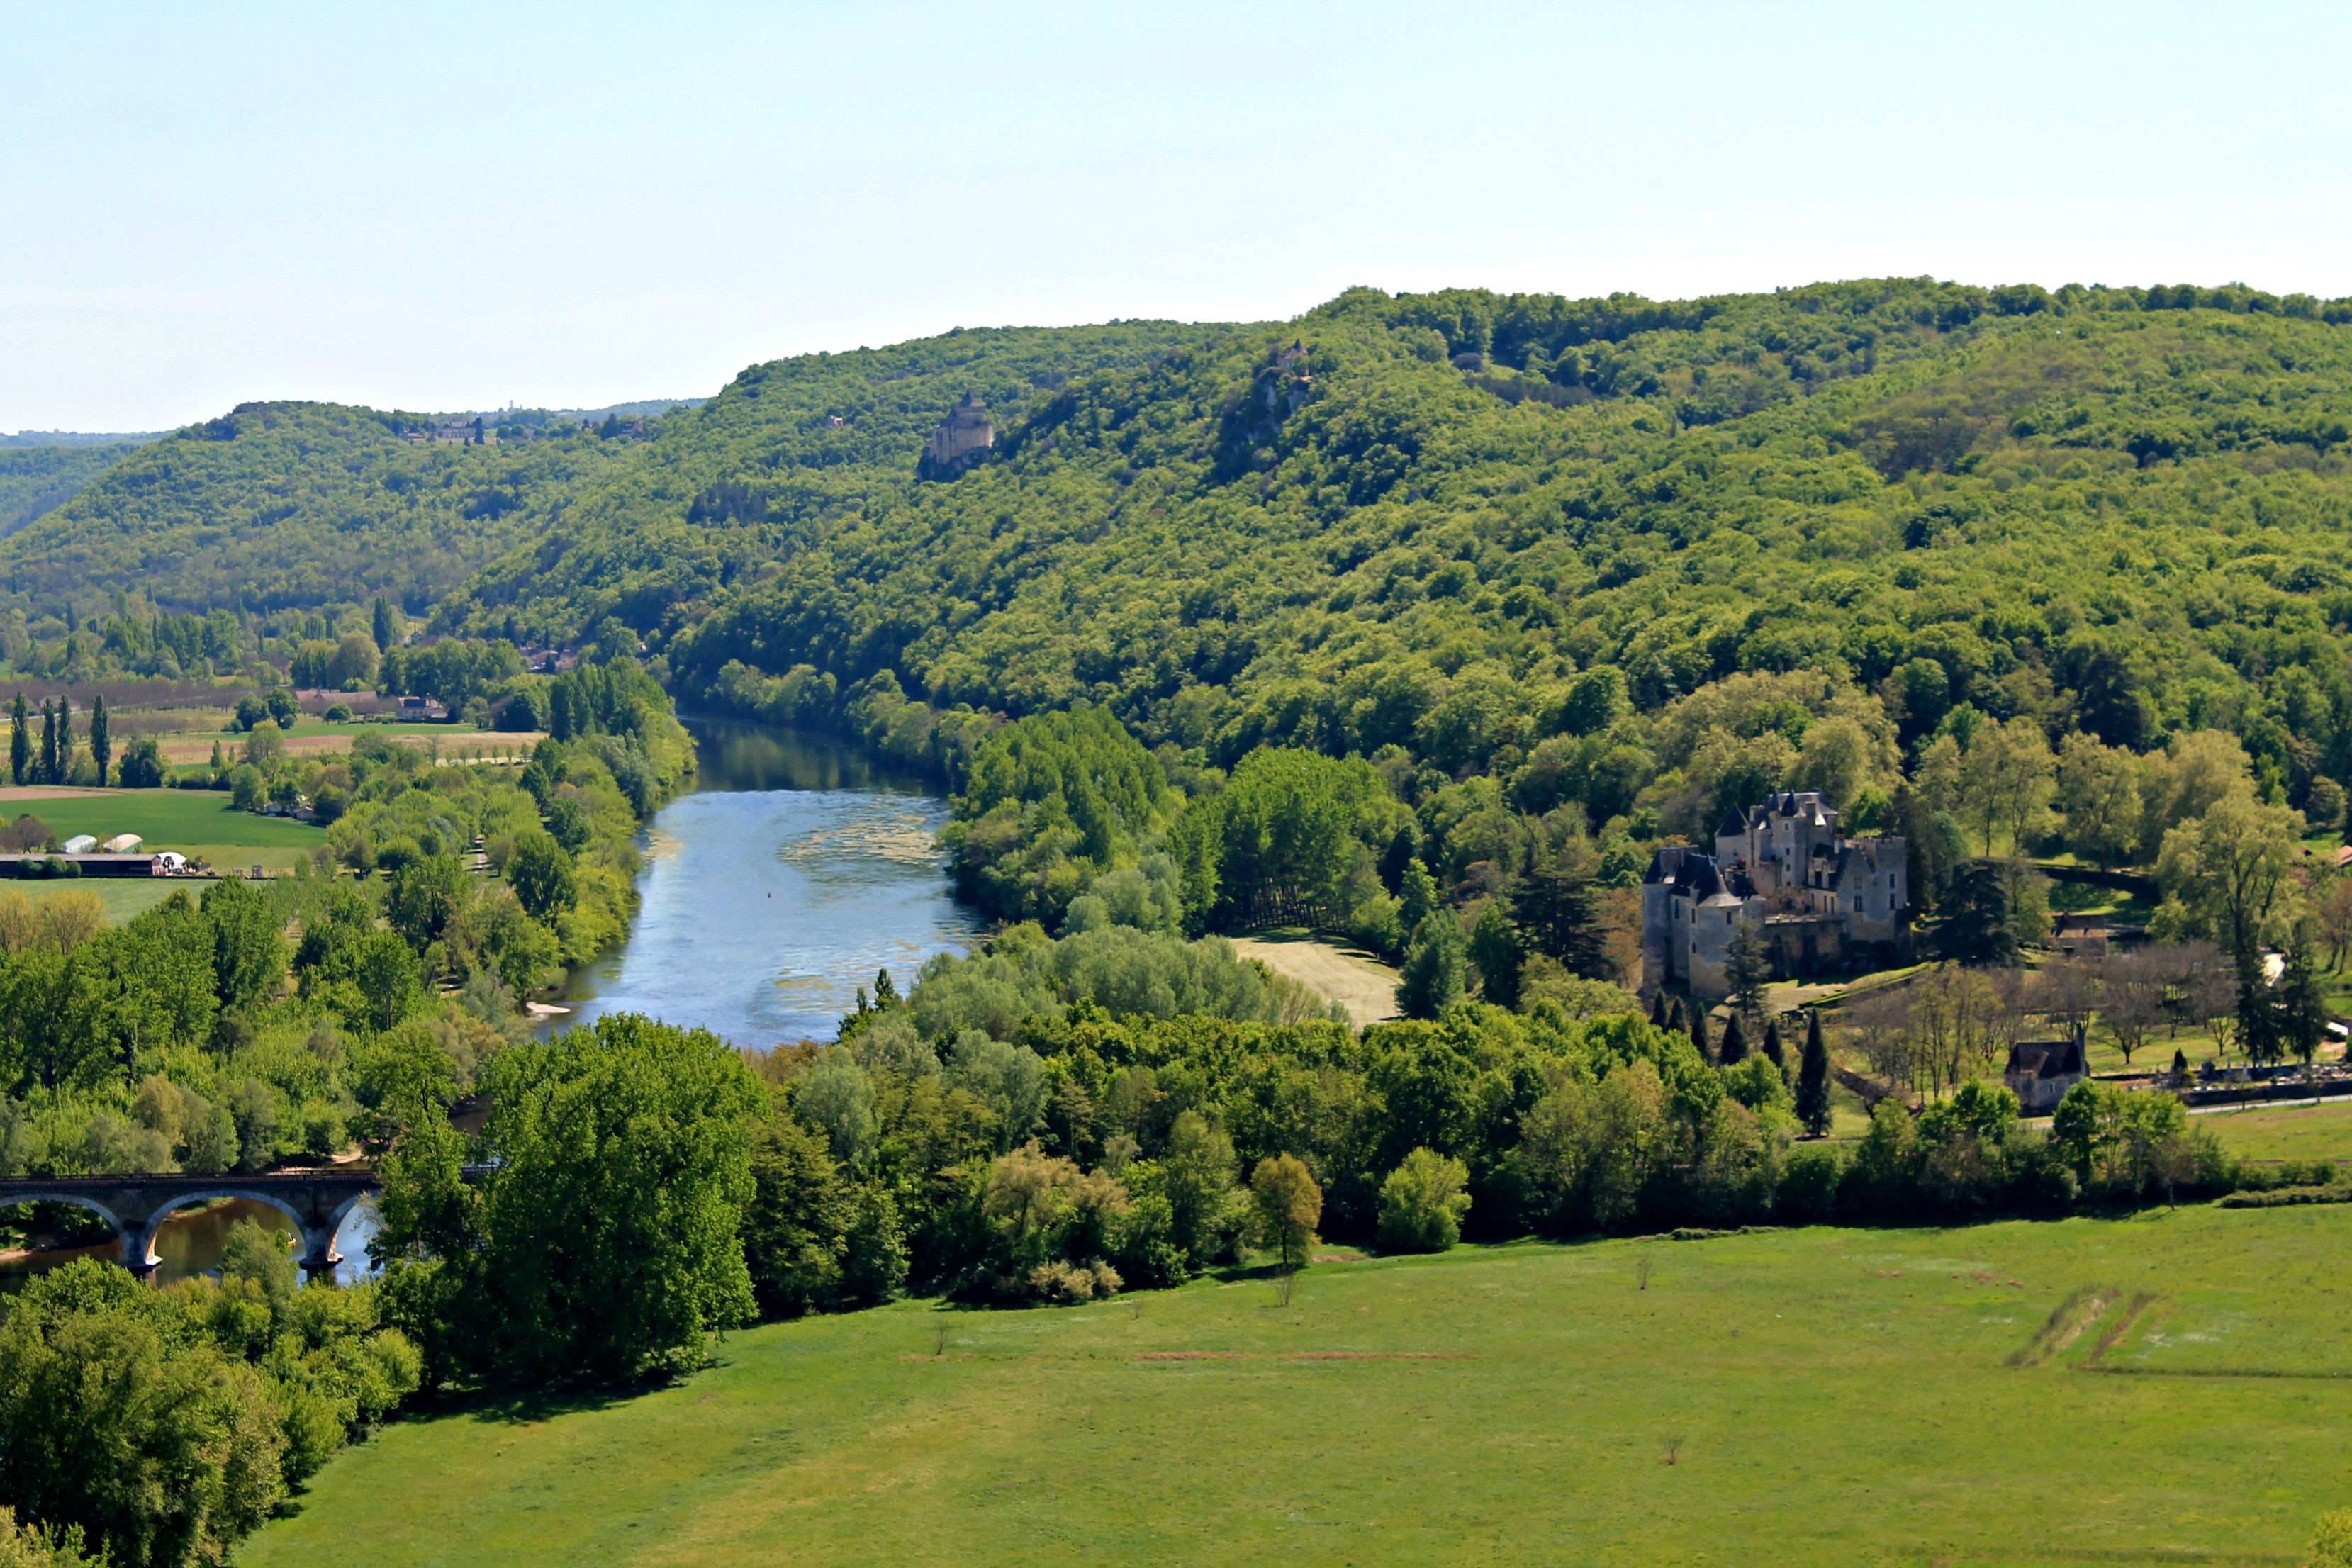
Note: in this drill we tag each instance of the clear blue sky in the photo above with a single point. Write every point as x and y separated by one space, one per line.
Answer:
458 207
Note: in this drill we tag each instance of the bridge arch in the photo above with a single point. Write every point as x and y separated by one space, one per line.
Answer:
78 1200
178 1201
136 1206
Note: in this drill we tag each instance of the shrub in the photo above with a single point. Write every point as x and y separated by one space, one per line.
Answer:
2331 1543
1066 1284
1808 1191
1422 1203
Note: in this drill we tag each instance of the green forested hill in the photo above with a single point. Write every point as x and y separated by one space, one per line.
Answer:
295 505
2119 508
291 504
33 479
761 474
2123 511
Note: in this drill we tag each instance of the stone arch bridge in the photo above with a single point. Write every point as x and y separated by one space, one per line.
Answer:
316 1201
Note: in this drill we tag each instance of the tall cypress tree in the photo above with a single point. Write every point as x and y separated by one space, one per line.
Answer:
49 742
1735 1041
1674 1017
1658 1010
63 772
1814 1078
1772 1052
1698 1026
382 629
101 738
20 741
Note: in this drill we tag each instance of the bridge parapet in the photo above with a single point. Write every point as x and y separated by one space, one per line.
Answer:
136 1206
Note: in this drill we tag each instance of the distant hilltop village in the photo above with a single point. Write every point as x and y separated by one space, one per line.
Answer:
1823 903
962 439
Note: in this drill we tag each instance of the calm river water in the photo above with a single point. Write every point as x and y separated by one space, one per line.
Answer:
793 871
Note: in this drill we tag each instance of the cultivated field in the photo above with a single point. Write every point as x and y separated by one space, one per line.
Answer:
2174 1386
316 737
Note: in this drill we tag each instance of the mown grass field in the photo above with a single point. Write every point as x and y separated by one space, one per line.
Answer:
168 820
2303 1132
121 898
1826 1396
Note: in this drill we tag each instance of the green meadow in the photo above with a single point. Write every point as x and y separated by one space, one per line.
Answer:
2305 1133
2172 1386
182 819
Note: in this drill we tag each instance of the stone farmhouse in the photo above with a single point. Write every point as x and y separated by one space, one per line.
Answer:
2040 1072
1823 903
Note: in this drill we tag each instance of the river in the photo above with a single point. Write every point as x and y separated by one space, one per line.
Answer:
793 870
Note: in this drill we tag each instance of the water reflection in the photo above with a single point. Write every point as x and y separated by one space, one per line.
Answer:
795 869
193 1240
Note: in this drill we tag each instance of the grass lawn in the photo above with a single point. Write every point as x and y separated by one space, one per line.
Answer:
178 819
122 897
2303 1133
1825 1396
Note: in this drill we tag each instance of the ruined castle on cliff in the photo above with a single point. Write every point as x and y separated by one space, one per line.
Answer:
1823 903
960 441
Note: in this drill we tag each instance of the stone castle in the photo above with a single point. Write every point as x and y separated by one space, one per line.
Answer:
962 439
1823 903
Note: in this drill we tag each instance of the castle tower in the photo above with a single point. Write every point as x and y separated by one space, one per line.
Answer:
961 440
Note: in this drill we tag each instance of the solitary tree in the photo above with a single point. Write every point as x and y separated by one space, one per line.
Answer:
1814 1078
382 627
63 772
20 741
1735 1042
1658 1010
1698 1026
1287 1205
1772 1051
49 742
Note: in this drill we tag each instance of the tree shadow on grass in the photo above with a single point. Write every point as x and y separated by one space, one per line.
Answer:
523 1408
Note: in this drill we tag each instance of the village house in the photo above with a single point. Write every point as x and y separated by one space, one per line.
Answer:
1823 903
2040 1072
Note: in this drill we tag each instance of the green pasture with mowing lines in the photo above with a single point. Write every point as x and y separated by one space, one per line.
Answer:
1830 1397
168 820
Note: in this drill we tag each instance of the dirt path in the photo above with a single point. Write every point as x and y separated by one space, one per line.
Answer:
1344 975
